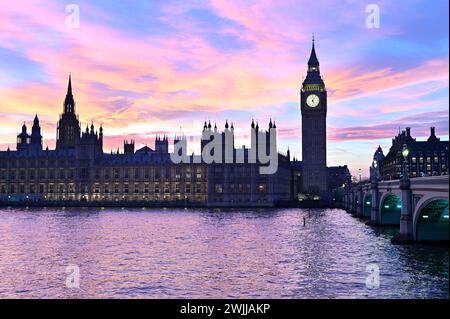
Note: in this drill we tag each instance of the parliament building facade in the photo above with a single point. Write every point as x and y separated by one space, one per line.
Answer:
78 170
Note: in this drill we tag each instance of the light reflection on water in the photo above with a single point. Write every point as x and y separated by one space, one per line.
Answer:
176 253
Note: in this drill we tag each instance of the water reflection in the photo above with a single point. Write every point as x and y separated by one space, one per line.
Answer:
181 253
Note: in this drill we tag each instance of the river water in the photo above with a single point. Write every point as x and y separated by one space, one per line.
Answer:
176 253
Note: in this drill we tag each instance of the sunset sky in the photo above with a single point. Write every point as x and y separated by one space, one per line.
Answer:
147 67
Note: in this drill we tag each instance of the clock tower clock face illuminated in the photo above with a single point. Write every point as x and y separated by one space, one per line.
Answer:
312 100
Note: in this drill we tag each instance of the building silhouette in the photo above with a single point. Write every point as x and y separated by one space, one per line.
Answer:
313 105
79 170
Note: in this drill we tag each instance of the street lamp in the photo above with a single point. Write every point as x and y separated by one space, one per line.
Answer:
375 169
405 153
360 175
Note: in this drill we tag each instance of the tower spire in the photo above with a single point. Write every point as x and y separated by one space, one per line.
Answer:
69 103
69 87
313 62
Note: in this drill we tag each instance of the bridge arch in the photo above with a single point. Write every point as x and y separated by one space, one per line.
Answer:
431 219
390 209
367 205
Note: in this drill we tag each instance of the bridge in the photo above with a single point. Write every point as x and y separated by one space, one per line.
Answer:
418 205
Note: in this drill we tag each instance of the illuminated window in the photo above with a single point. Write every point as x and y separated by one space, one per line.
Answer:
188 172
262 188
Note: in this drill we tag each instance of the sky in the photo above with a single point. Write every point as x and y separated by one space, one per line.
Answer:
142 68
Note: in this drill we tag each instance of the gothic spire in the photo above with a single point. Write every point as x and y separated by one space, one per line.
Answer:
69 87
313 61
69 103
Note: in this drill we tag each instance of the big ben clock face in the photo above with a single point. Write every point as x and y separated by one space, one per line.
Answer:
312 100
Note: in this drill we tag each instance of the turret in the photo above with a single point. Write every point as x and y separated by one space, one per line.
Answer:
36 137
162 145
128 148
23 139
433 137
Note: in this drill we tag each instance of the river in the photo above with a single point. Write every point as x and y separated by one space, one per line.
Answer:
186 253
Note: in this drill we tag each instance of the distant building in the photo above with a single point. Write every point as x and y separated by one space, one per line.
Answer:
338 176
426 158
375 168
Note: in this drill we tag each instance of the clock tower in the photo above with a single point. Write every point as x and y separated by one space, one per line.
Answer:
313 105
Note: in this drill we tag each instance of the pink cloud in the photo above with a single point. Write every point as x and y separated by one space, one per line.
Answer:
420 123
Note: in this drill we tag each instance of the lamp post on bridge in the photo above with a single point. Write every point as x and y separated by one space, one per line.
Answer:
406 219
375 169
405 154
374 213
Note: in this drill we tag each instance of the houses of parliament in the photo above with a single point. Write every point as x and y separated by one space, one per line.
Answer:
78 170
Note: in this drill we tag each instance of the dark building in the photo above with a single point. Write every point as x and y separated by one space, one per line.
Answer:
425 158
313 105
375 168
79 170
338 176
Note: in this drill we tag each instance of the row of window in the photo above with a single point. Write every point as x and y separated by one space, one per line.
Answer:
241 188
126 188
105 174
428 168
35 163
115 188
